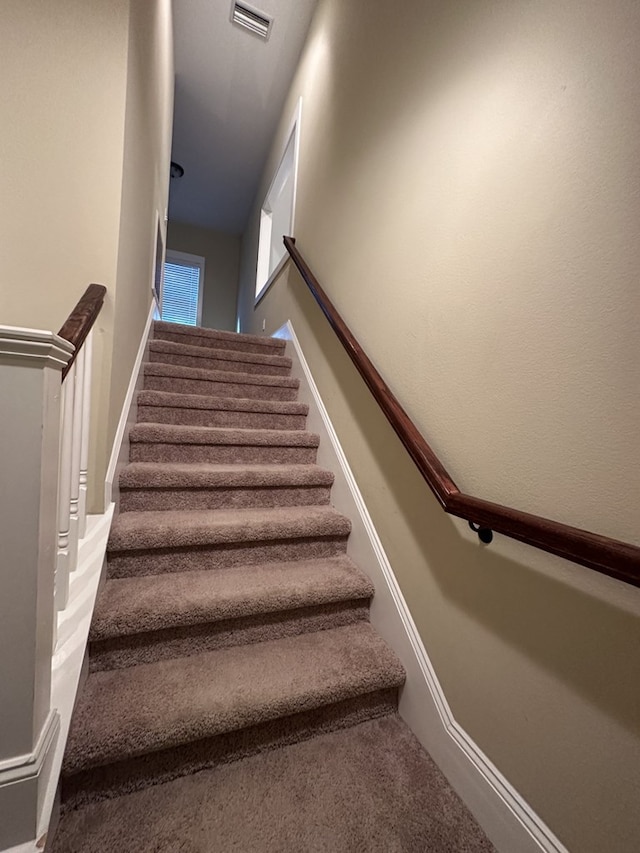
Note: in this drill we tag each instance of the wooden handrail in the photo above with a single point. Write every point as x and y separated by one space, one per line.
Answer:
79 323
609 556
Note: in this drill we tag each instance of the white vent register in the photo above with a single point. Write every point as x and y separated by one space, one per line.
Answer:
256 22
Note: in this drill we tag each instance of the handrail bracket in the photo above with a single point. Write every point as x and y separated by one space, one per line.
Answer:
485 534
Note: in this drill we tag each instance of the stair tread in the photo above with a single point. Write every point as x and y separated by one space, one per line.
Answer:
155 602
179 434
368 788
155 368
217 335
170 399
127 712
170 347
178 528
167 475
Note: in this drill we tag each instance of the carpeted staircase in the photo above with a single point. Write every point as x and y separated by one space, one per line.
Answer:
231 649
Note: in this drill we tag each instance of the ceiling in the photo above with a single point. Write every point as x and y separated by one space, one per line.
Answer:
230 89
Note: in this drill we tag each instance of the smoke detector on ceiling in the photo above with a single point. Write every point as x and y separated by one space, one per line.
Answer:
251 19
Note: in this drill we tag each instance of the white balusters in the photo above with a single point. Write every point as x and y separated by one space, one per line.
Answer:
63 566
84 444
76 447
74 456
44 456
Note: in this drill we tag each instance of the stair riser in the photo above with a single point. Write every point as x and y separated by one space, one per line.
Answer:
211 388
126 564
227 453
195 340
126 776
219 418
139 500
153 646
213 363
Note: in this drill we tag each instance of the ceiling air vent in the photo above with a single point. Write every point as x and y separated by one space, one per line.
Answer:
256 22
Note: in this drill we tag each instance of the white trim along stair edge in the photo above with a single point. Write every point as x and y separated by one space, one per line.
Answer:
120 450
509 821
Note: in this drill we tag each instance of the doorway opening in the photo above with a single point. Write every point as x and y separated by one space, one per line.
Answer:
277 215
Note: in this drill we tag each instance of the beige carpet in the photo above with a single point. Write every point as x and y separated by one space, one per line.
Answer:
368 789
238 697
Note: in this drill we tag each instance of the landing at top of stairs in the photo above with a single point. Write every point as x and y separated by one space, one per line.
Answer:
198 336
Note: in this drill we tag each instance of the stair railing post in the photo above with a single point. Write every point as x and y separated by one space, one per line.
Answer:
31 362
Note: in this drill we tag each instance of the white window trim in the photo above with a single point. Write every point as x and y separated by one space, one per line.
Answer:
172 256
263 245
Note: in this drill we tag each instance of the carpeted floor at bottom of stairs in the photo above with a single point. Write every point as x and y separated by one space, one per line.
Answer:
367 789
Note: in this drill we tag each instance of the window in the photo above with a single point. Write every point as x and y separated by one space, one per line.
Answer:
182 288
277 213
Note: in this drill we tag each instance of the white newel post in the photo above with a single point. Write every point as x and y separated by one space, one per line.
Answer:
31 362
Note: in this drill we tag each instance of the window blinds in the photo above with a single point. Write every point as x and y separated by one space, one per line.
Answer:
180 293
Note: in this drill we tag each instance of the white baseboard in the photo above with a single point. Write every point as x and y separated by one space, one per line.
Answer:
120 450
24 780
73 633
66 669
509 821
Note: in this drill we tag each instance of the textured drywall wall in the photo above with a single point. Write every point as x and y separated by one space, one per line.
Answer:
85 129
62 111
62 123
222 260
468 197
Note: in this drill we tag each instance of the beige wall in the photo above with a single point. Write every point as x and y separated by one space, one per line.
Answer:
62 105
84 102
468 196
145 184
61 133
222 257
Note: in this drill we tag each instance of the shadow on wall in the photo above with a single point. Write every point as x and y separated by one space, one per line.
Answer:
522 605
